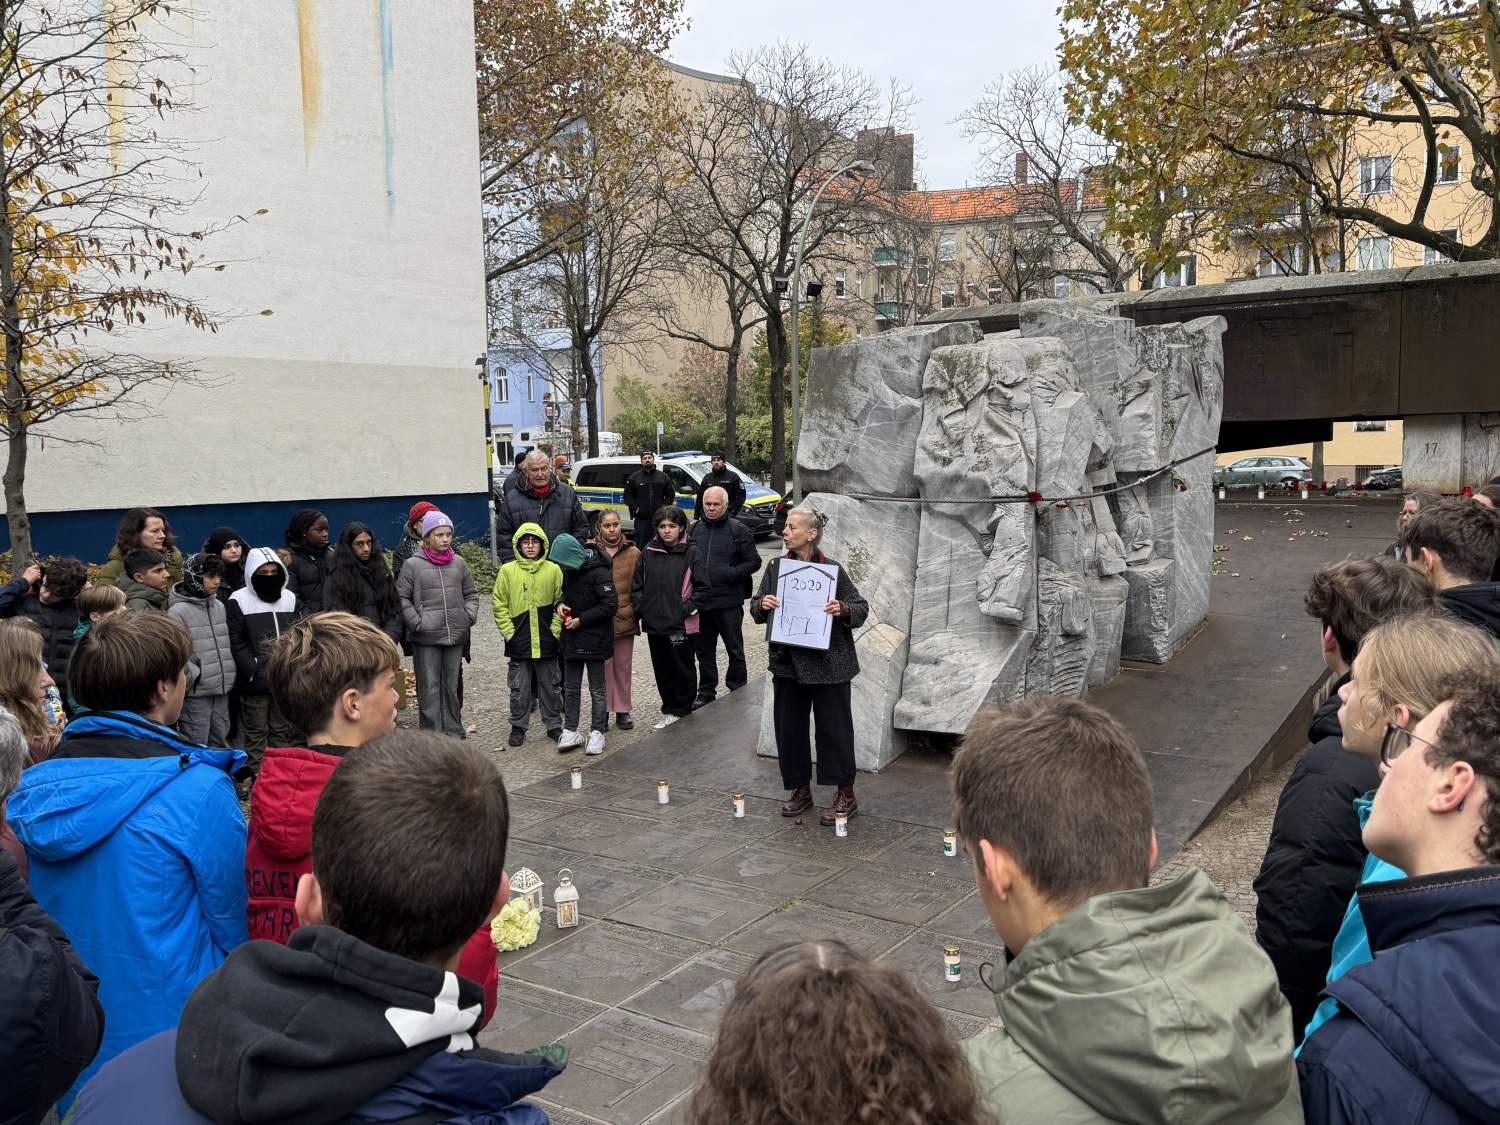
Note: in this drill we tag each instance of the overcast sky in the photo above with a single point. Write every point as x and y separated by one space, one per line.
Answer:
946 53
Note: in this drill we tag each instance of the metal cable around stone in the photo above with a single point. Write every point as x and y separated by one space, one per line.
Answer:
1029 497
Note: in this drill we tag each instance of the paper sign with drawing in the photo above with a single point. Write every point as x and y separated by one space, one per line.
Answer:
804 588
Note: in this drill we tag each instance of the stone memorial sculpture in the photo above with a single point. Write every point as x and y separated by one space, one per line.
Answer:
1022 509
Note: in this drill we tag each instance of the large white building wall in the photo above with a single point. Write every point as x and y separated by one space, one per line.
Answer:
353 124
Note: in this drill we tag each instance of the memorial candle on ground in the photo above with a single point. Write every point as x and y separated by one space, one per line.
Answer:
739 804
577 777
663 793
951 969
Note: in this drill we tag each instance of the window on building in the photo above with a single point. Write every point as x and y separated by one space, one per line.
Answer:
1280 261
924 270
947 247
1450 162
530 385
1060 286
995 294
839 277
1333 261
1377 92
1375 175
1184 271
993 241
1429 255
880 287
840 237
502 385
948 294
1373 253
859 285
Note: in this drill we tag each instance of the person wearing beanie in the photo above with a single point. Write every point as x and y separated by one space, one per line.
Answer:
259 614
411 537
588 607
306 539
439 605
204 719
230 546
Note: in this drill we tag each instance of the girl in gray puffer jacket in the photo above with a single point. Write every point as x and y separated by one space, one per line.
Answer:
439 605
194 602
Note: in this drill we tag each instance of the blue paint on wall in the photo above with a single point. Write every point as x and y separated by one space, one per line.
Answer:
388 104
90 534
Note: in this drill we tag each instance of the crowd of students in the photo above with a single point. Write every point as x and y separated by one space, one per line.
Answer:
165 958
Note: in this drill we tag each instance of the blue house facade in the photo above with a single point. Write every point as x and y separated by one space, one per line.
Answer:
528 398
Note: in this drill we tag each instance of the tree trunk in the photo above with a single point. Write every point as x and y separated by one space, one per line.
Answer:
776 345
15 400
591 395
1317 461
731 388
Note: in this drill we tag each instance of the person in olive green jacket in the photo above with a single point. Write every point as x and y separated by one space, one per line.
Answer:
527 590
141 527
1122 1002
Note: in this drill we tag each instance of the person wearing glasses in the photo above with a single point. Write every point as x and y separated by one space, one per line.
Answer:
1415 1033
1397 681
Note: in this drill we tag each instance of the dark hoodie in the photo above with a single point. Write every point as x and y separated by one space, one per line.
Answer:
660 578
1313 861
1478 603
1417 1036
325 1028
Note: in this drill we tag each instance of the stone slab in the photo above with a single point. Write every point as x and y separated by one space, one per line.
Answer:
968 922
604 962
527 1016
596 784
922 853
603 883
638 797
586 830
772 870
762 817
868 836
528 812
920 957
701 909
561 1115
895 895
673 848
624 1068
805 921
694 996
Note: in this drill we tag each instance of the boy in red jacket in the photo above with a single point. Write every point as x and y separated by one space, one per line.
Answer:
334 676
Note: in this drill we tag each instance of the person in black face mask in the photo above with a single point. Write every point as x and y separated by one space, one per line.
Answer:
257 615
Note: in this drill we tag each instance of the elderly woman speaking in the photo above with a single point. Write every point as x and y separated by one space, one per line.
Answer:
814 680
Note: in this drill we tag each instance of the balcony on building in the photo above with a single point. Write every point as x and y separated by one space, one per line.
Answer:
888 256
892 310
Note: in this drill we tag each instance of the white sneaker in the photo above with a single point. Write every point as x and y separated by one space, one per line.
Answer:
596 742
570 740
665 721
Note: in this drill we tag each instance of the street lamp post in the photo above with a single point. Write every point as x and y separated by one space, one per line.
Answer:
863 166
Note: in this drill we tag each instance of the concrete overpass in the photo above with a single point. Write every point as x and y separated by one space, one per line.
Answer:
1301 353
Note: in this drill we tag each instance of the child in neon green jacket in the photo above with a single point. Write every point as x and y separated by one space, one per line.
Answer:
527 590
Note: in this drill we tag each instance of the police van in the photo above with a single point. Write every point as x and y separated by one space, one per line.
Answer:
600 484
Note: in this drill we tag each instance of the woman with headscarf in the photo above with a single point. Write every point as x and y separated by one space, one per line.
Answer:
306 539
230 546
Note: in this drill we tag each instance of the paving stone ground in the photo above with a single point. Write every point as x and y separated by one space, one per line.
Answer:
487 700
676 901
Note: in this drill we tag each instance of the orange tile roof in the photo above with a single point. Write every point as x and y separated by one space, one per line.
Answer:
972 204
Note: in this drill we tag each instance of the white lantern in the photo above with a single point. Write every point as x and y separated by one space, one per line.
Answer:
565 898
527 884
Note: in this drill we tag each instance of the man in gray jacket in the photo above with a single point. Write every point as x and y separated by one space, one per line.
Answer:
1122 1002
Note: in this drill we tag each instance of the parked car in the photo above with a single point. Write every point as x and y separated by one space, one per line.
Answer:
600 484
1253 472
1385 478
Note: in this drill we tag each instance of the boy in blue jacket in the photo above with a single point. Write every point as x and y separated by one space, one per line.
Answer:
361 1017
135 839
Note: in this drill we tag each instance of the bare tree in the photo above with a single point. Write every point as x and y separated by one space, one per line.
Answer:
1030 145
90 186
752 154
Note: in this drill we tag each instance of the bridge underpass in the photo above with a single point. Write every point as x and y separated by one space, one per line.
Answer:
1301 353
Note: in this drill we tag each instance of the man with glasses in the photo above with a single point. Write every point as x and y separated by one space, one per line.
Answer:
543 500
1417 1034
